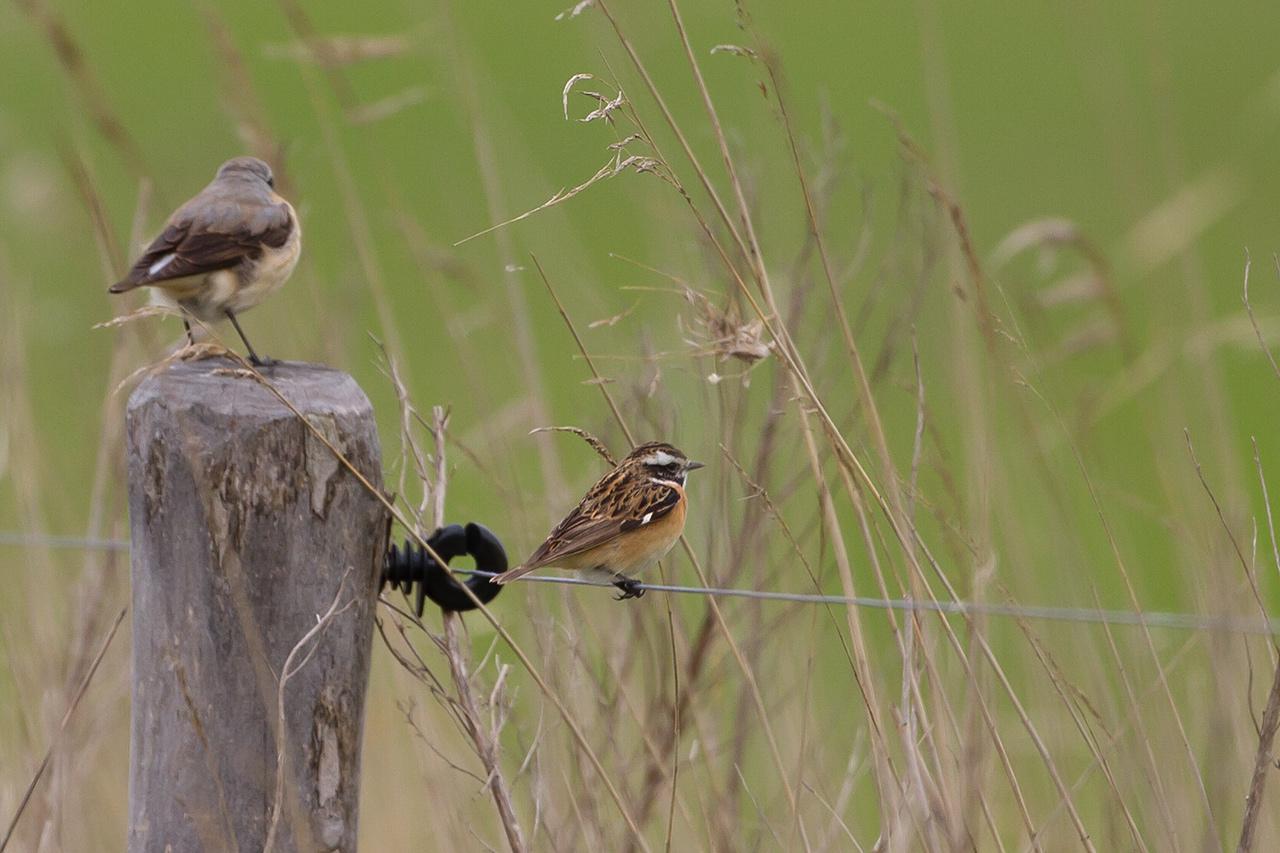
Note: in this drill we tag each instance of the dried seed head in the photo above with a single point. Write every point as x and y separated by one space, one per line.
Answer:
723 333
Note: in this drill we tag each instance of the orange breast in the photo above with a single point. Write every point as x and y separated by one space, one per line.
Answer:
635 550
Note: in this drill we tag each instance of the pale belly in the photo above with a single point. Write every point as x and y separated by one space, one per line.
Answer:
270 272
209 297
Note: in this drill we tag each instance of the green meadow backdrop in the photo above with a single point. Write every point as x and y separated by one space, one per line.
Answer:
1011 363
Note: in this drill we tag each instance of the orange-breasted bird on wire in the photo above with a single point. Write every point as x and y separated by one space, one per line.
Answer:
626 522
224 251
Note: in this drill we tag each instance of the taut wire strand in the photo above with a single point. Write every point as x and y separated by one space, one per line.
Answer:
1153 619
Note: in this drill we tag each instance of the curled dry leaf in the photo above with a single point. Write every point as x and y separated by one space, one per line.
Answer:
614 166
568 87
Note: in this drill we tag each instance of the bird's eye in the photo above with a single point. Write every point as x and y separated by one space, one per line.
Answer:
271 182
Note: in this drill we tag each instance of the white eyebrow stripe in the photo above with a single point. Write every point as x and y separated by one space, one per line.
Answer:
660 458
161 263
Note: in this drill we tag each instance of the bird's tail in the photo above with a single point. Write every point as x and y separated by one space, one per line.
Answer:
509 576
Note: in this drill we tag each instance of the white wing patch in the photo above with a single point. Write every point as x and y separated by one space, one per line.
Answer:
161 263
648 517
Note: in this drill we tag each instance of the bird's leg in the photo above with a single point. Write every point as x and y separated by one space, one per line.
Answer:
186 324
254 359
630 588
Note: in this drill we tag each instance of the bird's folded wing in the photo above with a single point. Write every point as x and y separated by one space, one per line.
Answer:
602 517
209 236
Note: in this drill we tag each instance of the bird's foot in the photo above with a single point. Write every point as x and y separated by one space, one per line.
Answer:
263 361
630 589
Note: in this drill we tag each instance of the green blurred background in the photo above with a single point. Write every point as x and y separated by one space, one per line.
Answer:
1099 113
1152 126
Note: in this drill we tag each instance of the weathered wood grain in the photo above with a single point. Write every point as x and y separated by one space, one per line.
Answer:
244 526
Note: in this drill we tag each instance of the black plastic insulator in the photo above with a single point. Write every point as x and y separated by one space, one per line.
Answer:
411 569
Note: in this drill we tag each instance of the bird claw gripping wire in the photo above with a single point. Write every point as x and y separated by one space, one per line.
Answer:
410 565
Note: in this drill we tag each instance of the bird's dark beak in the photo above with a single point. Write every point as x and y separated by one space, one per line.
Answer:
692 466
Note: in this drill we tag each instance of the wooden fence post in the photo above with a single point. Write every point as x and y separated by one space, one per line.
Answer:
245 530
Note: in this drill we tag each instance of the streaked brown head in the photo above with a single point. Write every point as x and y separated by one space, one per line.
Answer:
661 461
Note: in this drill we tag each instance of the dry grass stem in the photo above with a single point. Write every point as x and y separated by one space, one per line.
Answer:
306 647
920 394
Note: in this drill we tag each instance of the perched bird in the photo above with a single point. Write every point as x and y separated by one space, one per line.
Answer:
627 522
224 251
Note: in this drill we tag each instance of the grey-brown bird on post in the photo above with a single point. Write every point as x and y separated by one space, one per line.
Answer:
626 522
224 251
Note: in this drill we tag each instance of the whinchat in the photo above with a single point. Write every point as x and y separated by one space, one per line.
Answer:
626 522
224 251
